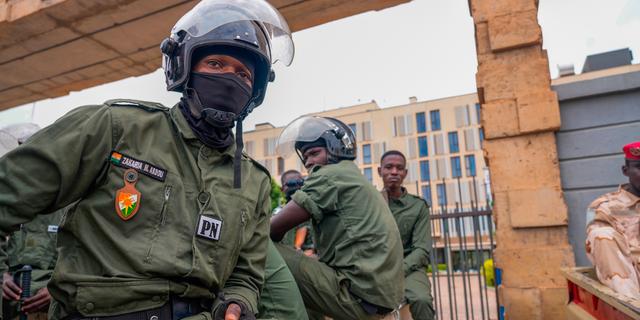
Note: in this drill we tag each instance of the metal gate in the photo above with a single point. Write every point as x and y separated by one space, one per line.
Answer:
461 268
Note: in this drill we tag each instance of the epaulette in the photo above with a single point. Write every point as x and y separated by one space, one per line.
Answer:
600 200
144 105
420 198
257 164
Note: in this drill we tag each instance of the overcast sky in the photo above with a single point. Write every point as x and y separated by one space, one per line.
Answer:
424 48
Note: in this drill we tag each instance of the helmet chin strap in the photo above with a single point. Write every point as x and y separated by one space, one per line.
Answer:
237 160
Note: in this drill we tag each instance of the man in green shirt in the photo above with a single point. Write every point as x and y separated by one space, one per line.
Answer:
358 273
412 216
300 237
33 245
169 219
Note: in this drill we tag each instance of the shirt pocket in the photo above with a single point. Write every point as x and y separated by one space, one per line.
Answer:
220 231
170 235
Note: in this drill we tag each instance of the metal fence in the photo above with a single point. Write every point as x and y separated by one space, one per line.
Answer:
461 269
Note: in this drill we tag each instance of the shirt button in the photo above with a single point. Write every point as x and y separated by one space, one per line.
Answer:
203 197
89 306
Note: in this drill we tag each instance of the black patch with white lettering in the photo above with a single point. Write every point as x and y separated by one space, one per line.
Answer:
122 160
209 228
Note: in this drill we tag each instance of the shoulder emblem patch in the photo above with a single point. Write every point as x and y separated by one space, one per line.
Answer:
128 198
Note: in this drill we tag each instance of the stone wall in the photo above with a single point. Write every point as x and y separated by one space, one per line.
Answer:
520 114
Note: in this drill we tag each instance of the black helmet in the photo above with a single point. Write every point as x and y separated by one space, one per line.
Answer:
252 26
311 131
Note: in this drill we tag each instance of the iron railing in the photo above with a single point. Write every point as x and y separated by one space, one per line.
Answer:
463 242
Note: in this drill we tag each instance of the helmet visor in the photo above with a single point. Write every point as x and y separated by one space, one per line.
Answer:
7 142
21 131
208 15
303 129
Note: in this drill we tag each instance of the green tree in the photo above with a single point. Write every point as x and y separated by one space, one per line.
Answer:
276 194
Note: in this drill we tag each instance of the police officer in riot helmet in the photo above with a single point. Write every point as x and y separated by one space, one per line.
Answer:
167 218
358 273
223 74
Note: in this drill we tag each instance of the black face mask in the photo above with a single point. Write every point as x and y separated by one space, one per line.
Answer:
219 98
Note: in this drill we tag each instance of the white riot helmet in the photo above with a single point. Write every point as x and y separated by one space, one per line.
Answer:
312 131
253 26
16 134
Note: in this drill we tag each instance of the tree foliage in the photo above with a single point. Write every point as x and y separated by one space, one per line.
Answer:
276 194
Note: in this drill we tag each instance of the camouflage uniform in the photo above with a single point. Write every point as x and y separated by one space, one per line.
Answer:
613 240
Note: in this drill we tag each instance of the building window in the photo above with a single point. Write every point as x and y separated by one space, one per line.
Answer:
426 193
481 135
402 125
423 147
421 122
269 146
442 194
441 170
353 129
470 165
454 147
366 154
366 131
462 116
470 139
435 120
438 143
478 112
368 173
456 170
280 166
424 170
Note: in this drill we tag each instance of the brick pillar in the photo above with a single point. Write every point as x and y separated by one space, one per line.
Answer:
520 113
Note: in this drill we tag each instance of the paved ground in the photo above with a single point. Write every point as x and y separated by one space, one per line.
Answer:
473 310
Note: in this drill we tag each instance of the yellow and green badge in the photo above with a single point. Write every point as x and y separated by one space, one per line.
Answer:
128 197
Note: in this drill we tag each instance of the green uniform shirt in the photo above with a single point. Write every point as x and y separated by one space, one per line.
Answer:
35 244
193 235
354 232
412 216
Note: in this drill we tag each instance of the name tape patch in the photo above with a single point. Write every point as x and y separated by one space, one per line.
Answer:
143 167
52 229
209 228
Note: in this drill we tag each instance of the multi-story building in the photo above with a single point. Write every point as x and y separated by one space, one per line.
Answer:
441 139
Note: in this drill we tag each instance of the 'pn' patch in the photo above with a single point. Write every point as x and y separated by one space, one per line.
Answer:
143 167
209 228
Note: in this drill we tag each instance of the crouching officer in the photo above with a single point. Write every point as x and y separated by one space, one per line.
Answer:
32 247
412 216
358 273
170 219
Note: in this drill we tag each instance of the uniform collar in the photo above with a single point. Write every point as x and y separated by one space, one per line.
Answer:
187 133
630 199
401 199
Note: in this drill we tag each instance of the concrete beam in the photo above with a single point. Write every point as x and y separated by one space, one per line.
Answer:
49 48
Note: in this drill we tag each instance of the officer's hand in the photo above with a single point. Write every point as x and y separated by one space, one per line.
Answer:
233 312
36 303
10 290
